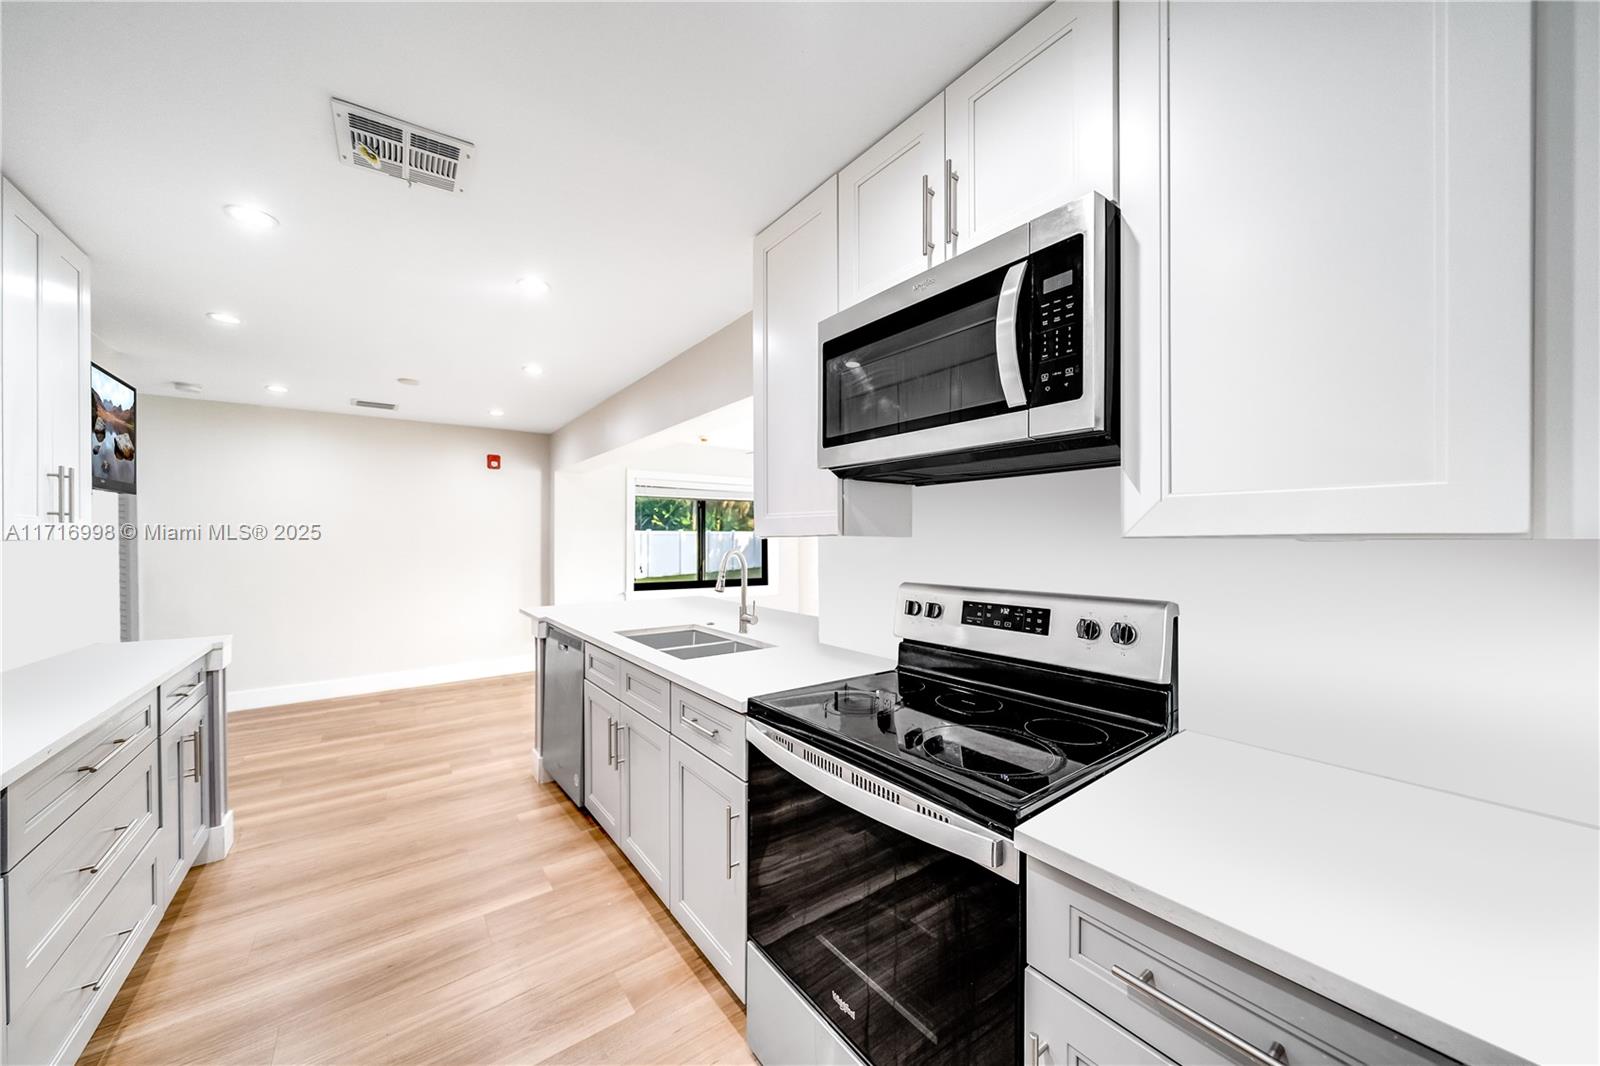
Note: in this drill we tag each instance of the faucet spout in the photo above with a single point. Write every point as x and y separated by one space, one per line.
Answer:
747 610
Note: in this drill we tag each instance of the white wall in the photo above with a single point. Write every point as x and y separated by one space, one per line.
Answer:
424 559
59 595
1467 665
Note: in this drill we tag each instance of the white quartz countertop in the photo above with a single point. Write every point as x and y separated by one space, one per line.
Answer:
45 706
794 659
1468 926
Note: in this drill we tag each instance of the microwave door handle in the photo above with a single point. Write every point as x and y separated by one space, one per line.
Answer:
1007 357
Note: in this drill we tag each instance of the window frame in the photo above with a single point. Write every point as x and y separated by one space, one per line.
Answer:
700 489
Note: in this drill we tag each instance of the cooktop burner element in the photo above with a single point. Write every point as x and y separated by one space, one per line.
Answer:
860 701
999 753
961 702
1067 731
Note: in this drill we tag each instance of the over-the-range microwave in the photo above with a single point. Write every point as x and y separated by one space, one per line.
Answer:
1001 361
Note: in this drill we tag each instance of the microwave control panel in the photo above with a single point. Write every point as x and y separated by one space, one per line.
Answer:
1057 322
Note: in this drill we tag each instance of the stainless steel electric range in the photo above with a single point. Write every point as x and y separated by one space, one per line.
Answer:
885 893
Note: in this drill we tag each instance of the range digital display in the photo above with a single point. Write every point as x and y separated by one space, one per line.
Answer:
1010 616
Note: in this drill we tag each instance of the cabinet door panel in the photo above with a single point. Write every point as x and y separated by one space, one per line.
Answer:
1033 124
1332 329
64 371
796 287
708 868
891 207
25 491
646 776
602 780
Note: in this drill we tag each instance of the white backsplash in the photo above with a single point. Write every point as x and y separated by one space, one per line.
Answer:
1466 665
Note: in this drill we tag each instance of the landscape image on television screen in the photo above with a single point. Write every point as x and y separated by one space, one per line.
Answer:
111 431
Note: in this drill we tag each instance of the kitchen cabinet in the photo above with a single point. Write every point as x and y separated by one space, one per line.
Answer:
796 287
1032 125
708 868
185 827
891 207
44 368
1326 283
645 758
602 776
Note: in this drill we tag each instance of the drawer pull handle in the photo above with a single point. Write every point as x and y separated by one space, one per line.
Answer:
94 986
116 746
183 693
1145 983
694 723
94 867
1036 1048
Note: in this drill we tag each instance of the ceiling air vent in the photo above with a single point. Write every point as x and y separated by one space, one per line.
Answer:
374 405
371 140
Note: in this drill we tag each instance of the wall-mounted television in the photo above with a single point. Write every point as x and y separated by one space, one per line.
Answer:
111 431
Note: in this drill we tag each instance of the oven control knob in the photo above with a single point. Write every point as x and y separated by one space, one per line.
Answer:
913 607
1123 633
1088 629
935 610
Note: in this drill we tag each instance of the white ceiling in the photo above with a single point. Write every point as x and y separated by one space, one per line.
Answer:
625 153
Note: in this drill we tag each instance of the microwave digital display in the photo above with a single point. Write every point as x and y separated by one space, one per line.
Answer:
1058 281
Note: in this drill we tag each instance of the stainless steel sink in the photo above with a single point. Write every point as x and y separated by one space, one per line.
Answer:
692 642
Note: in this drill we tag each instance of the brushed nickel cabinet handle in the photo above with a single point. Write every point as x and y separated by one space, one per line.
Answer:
950 179
728 817
1036 1047
927 216
622 732
1145 984
72 504
198 734
105 973
60 474
94 867
694 724
611 741
116 746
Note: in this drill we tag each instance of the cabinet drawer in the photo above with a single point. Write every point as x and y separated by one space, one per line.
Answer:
646 693
56 1021
179 692
1077 934
602 668
45 797
710 728
52 893
1067 1033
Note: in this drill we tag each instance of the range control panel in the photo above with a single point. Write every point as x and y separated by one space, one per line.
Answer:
1014 616
1134 639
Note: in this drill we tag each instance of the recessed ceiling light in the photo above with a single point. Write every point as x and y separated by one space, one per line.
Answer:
187 386
704 439
226 318
495 412
408 381
533 370
278 388
533 286
252 218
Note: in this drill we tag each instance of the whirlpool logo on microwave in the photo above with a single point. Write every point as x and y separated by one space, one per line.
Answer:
841 1004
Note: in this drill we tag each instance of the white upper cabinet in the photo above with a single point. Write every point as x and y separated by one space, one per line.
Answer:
891 207
796 287
44 368
1326 268
1033 124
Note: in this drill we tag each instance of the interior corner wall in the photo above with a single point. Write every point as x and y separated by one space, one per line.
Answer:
421 560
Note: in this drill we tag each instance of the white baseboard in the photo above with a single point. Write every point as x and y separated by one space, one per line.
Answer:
218 842
250 698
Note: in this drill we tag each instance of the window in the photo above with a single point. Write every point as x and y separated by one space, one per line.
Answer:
679 541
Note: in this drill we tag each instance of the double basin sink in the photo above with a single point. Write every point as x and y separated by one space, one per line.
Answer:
692 642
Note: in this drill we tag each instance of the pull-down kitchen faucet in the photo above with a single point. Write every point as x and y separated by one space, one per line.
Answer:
747 610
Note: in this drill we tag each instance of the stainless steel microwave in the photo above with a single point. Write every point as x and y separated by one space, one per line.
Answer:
1001 361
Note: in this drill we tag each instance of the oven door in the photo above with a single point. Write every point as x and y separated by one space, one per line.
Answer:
936 364
912 951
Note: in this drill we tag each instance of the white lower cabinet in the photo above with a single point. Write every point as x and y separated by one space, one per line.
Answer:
601 775
184 825
707 860
645 756
1059 1030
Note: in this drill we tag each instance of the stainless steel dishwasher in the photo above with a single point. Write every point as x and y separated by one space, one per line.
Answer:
561 710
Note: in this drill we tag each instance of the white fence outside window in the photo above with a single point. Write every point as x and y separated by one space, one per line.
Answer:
659 553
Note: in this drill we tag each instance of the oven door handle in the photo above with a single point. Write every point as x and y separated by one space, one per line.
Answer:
1007 357
989 850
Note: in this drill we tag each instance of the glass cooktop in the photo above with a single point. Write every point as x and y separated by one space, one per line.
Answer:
1001 749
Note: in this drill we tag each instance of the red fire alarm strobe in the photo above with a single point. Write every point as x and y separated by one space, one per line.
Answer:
494 462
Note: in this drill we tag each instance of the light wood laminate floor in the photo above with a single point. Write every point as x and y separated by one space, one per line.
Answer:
401 890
